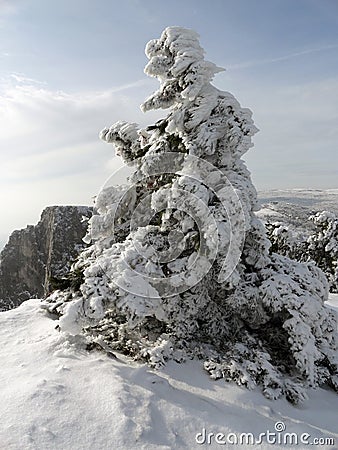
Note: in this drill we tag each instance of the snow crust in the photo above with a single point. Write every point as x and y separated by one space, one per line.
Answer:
56 395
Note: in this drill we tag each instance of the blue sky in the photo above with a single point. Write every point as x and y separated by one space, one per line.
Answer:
71 67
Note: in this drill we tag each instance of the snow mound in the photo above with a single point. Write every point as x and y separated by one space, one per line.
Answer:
57 395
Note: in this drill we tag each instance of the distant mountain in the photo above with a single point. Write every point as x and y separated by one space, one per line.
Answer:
35 254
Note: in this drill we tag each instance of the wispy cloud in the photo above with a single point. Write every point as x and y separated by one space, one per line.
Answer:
139 83
50 150
22 79
261 62
46 120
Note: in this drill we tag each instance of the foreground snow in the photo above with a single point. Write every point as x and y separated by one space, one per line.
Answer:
55 395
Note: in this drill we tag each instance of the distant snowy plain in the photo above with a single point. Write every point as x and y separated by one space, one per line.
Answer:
296 204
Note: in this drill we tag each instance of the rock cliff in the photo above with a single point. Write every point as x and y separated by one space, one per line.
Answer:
37 253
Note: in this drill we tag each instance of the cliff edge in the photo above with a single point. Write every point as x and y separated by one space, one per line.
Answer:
40 252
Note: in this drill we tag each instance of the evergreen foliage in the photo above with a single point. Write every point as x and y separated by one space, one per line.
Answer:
321 246
179 265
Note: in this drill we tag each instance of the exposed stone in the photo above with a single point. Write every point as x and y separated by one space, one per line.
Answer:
35 254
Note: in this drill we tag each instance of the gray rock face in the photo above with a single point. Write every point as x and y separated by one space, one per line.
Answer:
35 254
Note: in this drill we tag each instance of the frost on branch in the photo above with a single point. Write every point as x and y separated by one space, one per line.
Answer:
179 265
124 136
323 246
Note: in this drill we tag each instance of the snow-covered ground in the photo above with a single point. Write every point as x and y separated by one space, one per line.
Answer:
56 395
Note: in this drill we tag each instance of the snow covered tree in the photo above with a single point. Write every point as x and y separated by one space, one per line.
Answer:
287 241
323 246
283 240
179 265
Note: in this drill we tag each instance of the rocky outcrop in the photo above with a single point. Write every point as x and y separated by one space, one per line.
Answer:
36 254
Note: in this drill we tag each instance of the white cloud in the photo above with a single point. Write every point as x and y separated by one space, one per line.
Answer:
50 150
38 120
46 120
